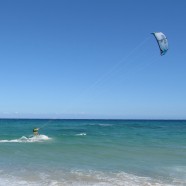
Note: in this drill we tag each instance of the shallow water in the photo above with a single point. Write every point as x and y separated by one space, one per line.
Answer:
93 152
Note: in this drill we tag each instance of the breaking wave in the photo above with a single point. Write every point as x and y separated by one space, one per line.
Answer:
24 139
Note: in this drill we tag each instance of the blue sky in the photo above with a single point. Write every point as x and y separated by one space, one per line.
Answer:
92 59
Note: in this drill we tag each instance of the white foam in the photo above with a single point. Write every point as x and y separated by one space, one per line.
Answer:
81 178
14 181
24 139
96 178
81 134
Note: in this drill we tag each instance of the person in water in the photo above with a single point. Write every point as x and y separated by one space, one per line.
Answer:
36 131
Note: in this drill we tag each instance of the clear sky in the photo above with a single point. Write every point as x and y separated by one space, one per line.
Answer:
92 59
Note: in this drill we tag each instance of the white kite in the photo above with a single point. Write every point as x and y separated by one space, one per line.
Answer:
162 42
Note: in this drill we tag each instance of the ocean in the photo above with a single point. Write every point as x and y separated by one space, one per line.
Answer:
92 152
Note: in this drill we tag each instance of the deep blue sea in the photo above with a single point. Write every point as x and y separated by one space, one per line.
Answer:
92 152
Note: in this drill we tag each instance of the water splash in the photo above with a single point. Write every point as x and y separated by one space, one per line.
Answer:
24 139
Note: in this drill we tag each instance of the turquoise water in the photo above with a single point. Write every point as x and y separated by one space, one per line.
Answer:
92 152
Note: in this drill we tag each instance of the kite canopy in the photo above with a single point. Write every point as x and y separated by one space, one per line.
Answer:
162 42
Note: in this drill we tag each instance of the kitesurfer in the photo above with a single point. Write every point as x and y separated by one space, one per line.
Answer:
36 131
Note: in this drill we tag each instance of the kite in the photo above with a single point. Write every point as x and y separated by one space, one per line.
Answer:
162 42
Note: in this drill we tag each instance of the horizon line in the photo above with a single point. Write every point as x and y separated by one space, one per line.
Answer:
90 119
